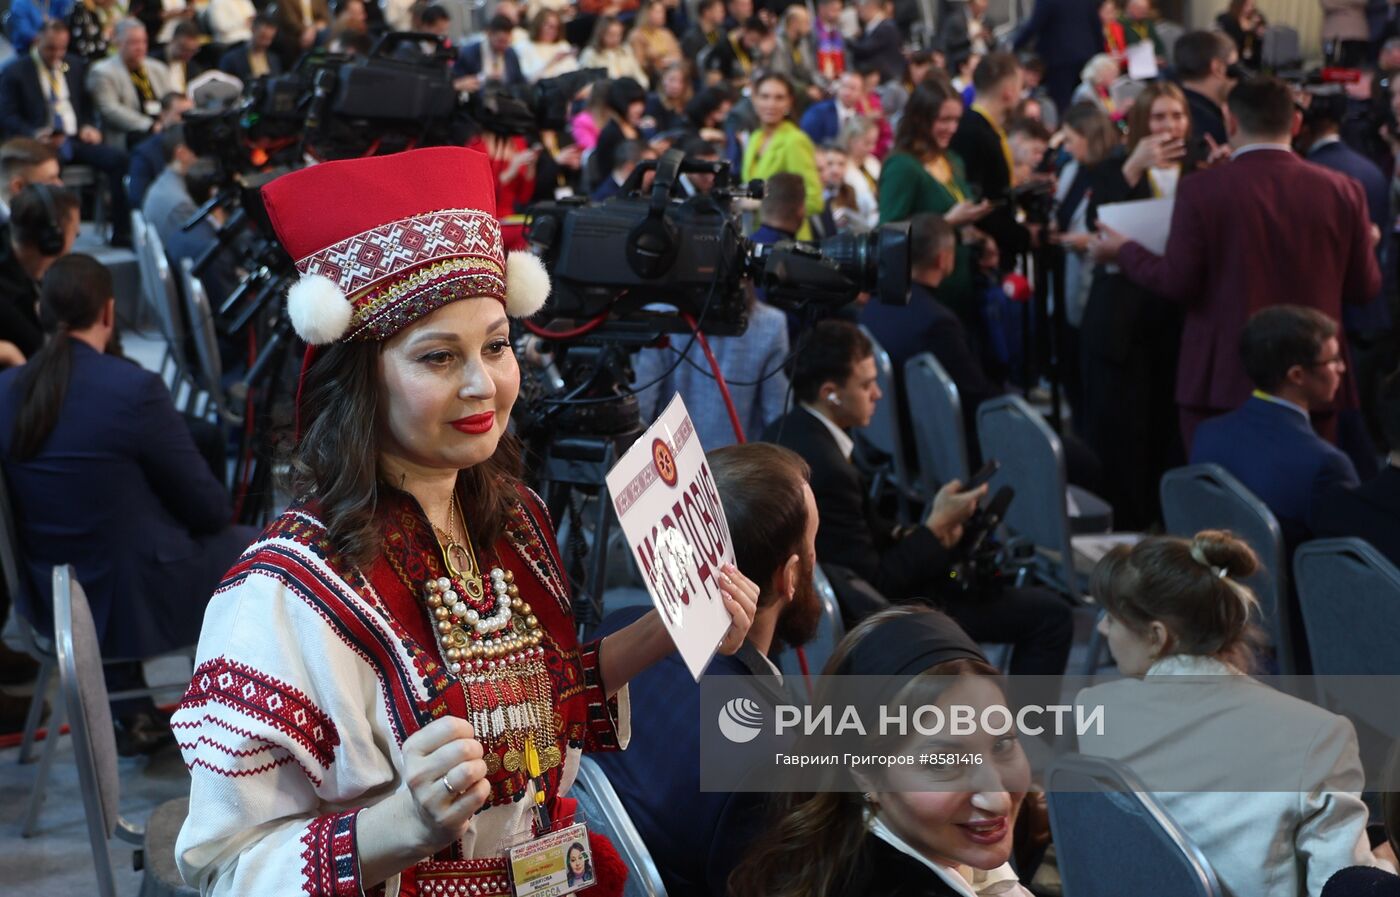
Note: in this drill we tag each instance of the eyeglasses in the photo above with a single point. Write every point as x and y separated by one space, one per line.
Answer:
1335 361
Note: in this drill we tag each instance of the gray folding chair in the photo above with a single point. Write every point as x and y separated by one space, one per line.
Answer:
830 631
205 337
1042 512
935 409
1033 463
606 815
171 316
884 434
1206 496
1112 836
94 744
1281 48
1350 598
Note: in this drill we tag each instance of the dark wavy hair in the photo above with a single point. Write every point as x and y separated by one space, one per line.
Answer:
336 462
915 133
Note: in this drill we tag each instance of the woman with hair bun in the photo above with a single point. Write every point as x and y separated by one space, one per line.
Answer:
1274 815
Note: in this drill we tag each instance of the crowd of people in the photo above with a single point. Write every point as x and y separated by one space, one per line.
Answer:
390 684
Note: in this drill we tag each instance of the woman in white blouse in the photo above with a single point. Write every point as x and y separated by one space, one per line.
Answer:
231 21
609 50
546 54
858 137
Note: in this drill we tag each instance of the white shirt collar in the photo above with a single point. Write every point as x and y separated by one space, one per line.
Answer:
1265 397
1191 665
1253 147
955 878
1320 142
844 442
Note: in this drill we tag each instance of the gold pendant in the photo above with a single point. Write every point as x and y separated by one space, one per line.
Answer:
472 586
549 757
512 760
457 560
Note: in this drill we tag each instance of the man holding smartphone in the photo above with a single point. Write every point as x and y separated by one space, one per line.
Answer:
834 382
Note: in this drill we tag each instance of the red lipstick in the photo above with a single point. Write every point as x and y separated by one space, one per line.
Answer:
477 423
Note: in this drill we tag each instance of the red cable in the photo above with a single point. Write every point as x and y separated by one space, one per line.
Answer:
719 378
576 332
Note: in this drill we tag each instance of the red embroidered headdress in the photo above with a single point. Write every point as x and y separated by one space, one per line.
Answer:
383 241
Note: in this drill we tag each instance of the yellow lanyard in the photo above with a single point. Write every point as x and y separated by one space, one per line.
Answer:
1001 135
942 171
143 84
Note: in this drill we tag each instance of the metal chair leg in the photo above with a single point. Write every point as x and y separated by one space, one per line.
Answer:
41 774
36 709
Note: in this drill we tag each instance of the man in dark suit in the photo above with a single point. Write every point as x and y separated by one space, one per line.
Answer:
697 838
255 57
834 382
1264 229
489 60
1294 357
965 30
42 95
707 30
1206 64
822 121
182 56
299 23
1066 34
1320 142
25 258
880 43
148 156
1370 511
982 142
927 325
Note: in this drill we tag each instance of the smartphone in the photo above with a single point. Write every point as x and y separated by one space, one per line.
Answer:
983 476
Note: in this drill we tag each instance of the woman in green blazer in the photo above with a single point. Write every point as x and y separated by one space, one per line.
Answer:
923 175
778 145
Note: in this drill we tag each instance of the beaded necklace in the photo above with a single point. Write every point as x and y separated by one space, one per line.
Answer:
492 644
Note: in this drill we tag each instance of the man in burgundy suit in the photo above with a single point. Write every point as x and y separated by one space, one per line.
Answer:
1266 228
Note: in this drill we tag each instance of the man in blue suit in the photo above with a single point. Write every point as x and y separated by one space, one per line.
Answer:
822 121
1371 511
697 838
1292 355
490 60
1066 34
117 488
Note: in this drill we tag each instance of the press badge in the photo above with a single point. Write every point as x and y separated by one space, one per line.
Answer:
152 107
558 862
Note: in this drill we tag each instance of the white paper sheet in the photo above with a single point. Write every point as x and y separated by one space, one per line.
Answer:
1142 61
1145 221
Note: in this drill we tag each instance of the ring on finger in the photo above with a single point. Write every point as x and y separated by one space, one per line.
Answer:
448 785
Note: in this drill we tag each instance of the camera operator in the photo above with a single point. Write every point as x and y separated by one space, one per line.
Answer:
491 60
1264 229
834 381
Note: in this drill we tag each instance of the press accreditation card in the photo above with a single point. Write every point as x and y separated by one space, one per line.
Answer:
556 863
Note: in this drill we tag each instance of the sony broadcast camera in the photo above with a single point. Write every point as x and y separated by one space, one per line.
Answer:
653 260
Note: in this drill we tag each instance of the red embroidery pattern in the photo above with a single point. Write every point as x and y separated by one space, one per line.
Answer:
357 262
330 867
267 700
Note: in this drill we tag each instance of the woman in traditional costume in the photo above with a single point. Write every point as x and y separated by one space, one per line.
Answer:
389 692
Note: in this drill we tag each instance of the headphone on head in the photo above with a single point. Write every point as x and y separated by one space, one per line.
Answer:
49 239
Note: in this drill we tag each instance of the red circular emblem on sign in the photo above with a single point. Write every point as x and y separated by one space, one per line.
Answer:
664 461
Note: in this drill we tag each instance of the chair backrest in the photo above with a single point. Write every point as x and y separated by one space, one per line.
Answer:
1112 837
1206 496
1281 47
85 698
935 410
204 336
830 631
1350 598
883 431
606 815
1033 463
167 296
142 250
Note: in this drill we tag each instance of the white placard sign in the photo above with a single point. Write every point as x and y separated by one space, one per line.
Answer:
1146 221
666 499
